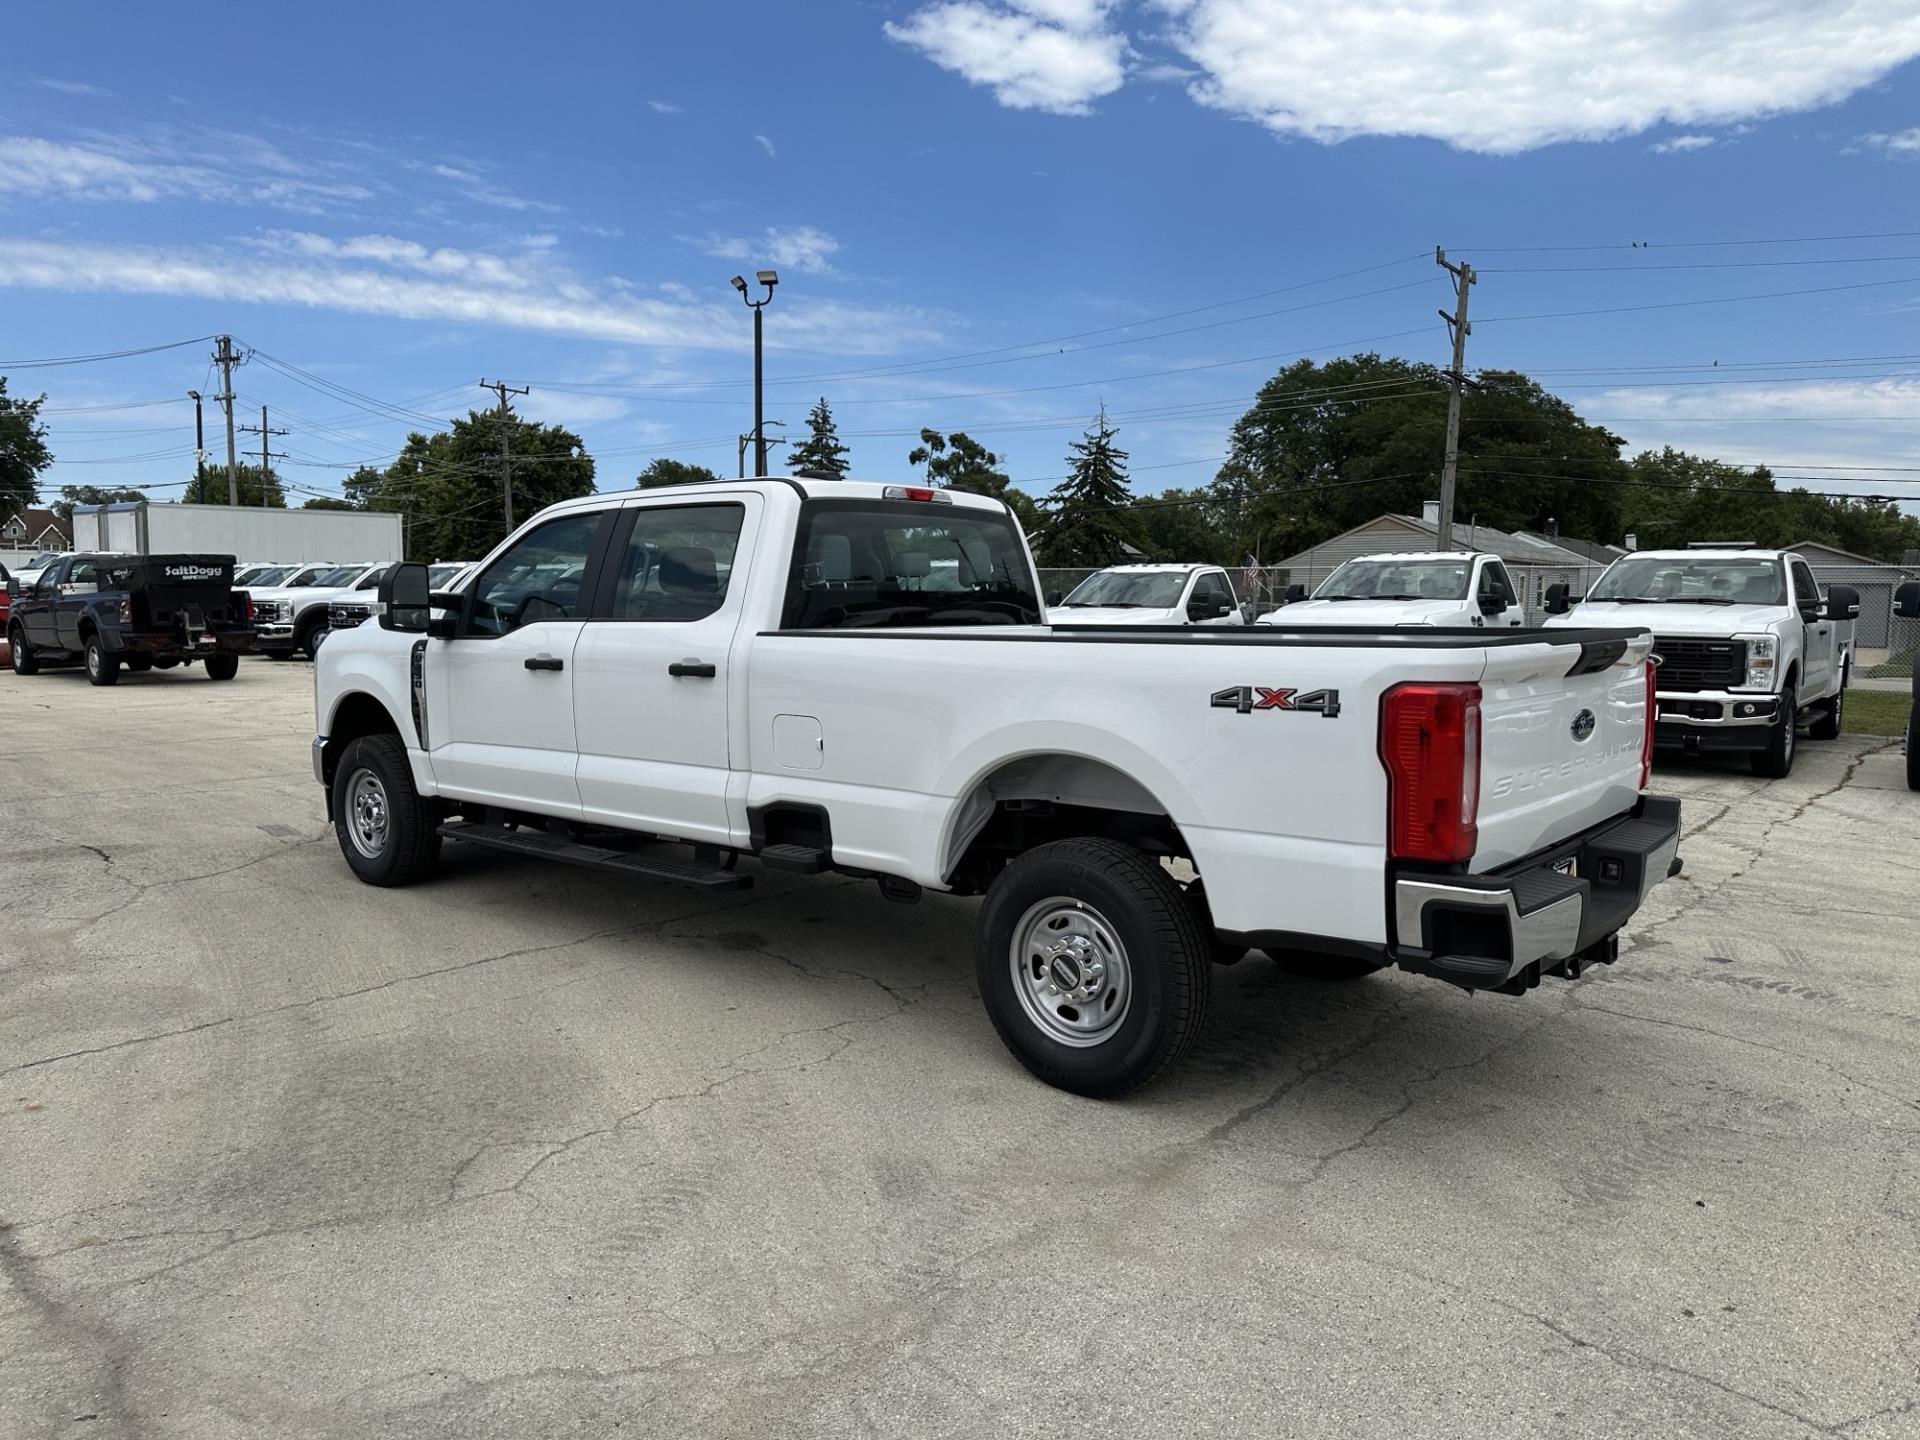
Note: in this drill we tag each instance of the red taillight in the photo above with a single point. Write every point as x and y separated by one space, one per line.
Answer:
1646 739
1430 744
126 609
246 602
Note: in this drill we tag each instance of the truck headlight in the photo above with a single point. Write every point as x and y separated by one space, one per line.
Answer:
1763 651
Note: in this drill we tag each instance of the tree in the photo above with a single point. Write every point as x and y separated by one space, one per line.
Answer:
1328 446
209 486
821 450
329 502
1187 525
959 462
449 484
673 472
72 495
23 452
1089 520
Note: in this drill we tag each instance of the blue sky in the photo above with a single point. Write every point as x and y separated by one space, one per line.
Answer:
978 208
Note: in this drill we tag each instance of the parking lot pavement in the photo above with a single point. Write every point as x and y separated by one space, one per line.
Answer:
528 1152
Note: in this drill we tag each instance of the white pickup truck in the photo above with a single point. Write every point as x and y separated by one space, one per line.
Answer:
1427 587
1749 646
837 675
1150 595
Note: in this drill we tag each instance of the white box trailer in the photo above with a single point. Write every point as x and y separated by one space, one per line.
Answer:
248 533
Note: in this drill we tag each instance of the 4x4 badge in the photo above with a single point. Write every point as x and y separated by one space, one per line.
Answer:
1248 698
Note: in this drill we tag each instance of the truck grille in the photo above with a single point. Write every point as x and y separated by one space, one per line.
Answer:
346 617
1688 664
270 609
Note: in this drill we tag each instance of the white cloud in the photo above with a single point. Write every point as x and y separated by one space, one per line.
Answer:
792 247
563 407
1530 75
134 171
1681 144
663 107
767 145
74 87
1052 55
1497 78
1893 400
454 172
1900 142
382 275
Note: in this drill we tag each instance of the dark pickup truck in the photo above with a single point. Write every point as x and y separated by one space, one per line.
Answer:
1906 604
138 611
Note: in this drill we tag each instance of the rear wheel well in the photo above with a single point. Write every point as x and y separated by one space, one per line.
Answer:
359 714
1039 799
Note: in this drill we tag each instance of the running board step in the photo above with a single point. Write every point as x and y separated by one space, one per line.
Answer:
596 857
800 859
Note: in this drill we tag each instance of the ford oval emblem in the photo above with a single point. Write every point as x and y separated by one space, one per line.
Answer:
1583 725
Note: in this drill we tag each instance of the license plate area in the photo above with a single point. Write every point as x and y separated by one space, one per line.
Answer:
1568 867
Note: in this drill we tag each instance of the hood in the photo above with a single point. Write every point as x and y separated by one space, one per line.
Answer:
1303 613
1710 621
1115 615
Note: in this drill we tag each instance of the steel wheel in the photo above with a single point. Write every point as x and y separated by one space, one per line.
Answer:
368 815
1070 971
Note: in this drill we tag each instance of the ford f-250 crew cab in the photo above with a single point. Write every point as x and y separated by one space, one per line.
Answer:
1428 587
137 611
758 668
1748 646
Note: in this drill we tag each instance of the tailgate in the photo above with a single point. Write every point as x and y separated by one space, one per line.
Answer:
1560 751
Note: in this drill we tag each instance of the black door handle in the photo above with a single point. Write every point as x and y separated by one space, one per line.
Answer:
545 662
696 669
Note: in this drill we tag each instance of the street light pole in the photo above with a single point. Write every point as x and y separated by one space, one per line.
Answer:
769 279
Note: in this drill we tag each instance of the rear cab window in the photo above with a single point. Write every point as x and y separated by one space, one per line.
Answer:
881 564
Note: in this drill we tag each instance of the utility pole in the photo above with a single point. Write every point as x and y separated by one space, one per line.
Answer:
1463 278
502 389
223 357
266 456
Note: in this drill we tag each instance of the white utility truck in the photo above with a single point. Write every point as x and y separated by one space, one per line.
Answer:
1150 595
762 668
1428 587
1749 647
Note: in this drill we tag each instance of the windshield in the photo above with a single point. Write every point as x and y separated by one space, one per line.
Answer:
373 578
1397 580
335 577
272 575
1129 590
439 575
1681 580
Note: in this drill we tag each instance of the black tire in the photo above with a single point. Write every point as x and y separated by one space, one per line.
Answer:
1775 762
1324 967
1117 892
1913 747
139 664
103 667
278 654
165 662
306 638
223 666
407 847
1826 724
24 660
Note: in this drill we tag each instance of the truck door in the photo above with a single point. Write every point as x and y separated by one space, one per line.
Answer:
1495 584
652 682
42 620
500 693
1817 659
77 589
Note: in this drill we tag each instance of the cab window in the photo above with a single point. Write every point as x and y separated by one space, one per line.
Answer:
677 562
538 578
1211 591
1494 583
1806 588
878 564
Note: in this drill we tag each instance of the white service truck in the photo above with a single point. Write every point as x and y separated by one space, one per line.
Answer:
1748 646
764 668
1150 595
1429 587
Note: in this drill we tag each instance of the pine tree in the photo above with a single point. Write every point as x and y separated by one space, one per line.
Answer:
1088 519
821 450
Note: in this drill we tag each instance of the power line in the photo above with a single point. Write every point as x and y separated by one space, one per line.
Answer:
1713 300
1686 244
1704 265
52 361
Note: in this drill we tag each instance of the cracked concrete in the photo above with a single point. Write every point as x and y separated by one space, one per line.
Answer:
525 1152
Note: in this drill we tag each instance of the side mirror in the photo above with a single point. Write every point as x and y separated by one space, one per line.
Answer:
1843 602
1222 609
1295 594
1559 599
1906 601
404 594
1054 597
1492 605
